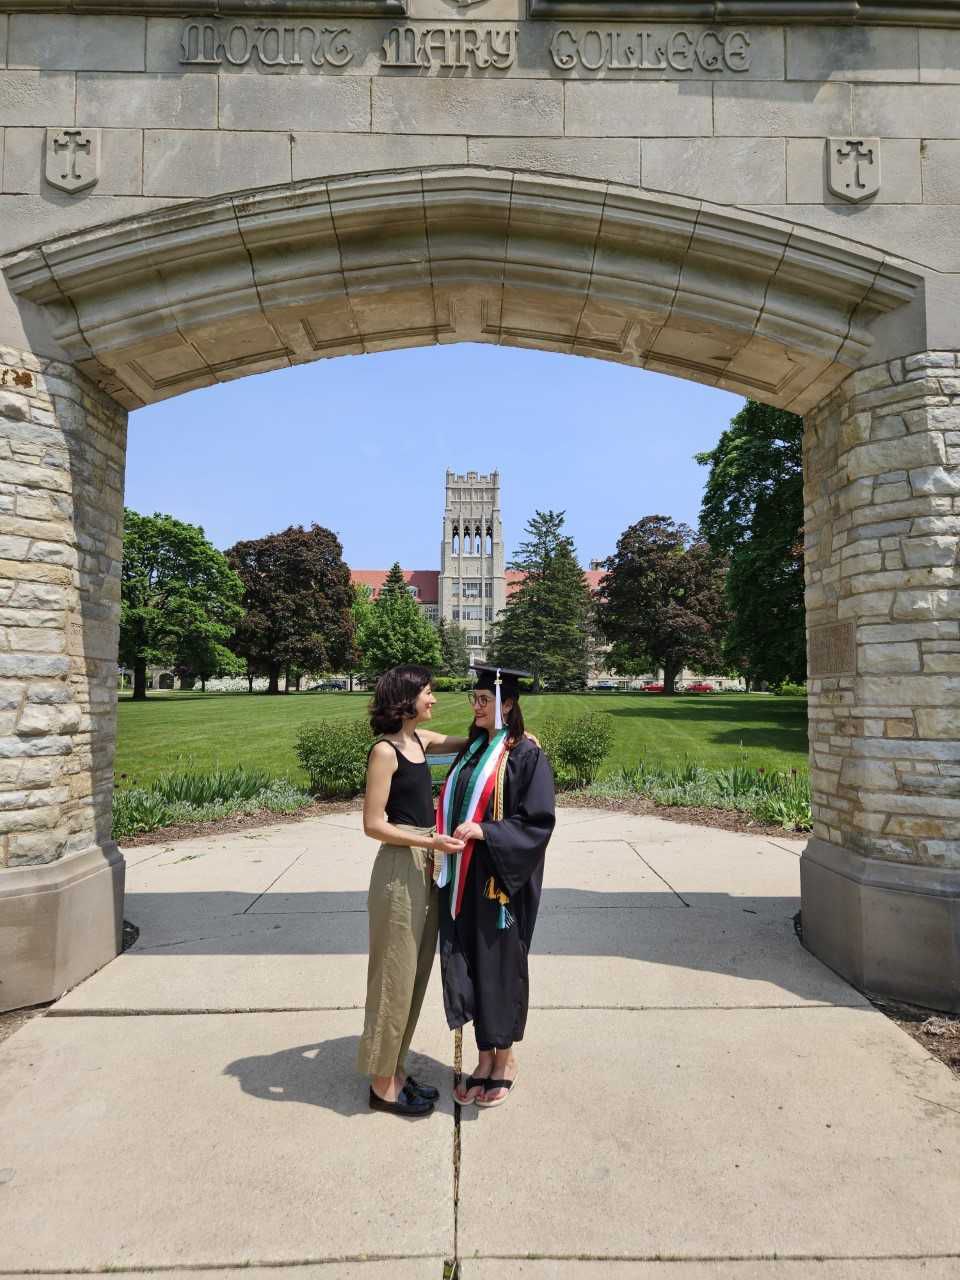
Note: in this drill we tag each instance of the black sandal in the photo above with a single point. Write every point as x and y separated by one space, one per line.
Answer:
471 1082
498 1084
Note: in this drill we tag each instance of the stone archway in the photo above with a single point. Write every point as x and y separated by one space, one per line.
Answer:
744 268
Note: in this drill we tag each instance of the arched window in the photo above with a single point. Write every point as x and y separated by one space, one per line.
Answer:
467 543
478 541
455 545
489 542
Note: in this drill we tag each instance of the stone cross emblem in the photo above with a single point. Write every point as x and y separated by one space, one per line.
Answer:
72 158
853 167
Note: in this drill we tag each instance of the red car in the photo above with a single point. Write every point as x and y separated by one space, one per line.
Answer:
653 688
699 688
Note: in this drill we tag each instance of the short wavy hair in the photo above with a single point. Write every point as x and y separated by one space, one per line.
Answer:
394 697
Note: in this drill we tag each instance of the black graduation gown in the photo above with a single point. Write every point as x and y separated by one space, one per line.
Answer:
484 969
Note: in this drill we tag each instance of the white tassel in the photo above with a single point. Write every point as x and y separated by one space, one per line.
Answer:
498 706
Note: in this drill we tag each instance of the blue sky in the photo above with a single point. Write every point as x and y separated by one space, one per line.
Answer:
361 444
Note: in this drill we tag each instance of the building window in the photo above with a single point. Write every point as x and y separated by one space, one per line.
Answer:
488 590
471 589
456 615
474 640
488 612
471 613
455 544
455 589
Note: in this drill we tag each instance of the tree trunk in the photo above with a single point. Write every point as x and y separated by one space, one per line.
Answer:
274 685
203 684
670 673
351 682
139 681
296 683
249 682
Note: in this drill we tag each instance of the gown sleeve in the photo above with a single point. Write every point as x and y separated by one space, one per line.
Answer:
517 842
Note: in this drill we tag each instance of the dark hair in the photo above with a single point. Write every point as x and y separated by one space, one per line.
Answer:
394 696
512 721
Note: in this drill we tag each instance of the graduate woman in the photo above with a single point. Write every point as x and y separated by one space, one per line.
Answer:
402 903
498 799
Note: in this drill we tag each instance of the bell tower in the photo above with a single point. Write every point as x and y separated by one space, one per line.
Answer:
473 585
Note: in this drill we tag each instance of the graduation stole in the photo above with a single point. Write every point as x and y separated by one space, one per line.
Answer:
489 770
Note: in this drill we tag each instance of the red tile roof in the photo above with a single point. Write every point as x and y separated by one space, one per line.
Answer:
593 576
427 581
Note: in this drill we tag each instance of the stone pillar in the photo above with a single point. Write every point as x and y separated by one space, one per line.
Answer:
62 450
881 875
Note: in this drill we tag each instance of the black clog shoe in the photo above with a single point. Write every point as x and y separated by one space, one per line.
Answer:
421 1090
407 1104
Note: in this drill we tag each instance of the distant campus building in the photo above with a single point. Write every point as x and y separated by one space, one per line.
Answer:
472 584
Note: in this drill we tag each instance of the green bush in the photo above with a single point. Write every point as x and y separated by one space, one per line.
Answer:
787 689
773 798
195 796
451 684
577 748
333 755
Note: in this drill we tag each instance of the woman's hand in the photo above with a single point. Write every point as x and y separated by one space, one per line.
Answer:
446 844
468 831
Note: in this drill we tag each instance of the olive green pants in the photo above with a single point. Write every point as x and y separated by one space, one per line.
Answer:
404 921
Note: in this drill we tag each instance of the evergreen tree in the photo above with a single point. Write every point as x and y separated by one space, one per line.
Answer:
752 513
396 631
545 627
454 655
661 599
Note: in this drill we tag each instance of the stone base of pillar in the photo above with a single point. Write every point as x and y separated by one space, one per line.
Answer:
59 923
889 928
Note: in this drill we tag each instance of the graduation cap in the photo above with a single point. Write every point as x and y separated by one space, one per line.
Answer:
503 681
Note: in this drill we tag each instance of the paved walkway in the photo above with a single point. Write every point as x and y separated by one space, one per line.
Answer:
698 1096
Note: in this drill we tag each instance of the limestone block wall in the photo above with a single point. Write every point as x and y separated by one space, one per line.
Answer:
62 449
882 466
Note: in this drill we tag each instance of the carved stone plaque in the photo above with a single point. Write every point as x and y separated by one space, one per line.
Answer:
72 161
833 649
853 167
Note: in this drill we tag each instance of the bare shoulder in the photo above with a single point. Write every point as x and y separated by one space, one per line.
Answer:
383 753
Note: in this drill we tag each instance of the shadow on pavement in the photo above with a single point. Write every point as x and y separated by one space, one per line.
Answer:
324 1074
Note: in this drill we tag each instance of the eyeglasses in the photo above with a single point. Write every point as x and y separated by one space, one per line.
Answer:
480 700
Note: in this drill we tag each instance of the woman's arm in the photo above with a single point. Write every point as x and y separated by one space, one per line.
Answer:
381 766
440 743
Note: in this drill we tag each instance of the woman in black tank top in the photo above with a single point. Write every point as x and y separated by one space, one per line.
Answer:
398 810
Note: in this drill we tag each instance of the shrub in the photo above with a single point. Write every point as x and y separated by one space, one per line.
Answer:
195 796
577 748
333 754
451 684
787 689
773 798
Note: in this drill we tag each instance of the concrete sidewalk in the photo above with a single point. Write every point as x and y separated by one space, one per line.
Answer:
698 1096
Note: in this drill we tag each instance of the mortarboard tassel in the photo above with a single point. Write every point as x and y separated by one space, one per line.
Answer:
498 706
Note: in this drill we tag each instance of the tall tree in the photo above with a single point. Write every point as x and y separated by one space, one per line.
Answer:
360 609
545 627
396 630
454 654
752 513
179 595
298 599
661 598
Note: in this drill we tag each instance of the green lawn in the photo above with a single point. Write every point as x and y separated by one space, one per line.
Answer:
199 730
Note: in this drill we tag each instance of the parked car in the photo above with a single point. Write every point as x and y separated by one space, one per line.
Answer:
653 688
328 686
700 687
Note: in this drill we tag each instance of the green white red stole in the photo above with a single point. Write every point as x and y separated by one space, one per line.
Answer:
474 809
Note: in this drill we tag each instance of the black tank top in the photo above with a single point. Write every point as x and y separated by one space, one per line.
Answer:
411 792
